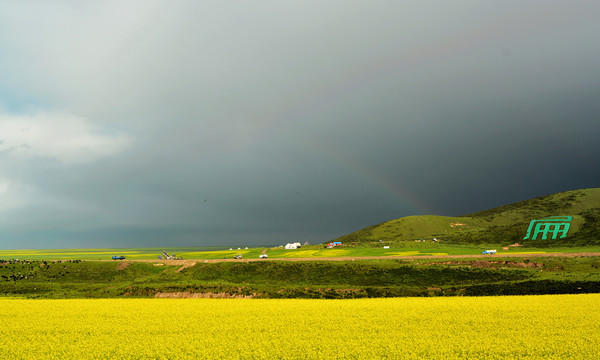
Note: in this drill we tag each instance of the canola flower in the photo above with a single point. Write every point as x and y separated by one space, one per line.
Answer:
512 327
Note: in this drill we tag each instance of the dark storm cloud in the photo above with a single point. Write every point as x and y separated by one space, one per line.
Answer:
202 123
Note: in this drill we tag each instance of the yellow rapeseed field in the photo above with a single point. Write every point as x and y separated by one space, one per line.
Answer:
526 327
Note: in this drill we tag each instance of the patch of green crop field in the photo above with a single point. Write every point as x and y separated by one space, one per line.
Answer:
101 254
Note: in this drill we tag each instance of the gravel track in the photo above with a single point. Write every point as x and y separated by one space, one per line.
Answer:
191 262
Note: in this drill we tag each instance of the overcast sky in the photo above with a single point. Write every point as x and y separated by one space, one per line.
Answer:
193 123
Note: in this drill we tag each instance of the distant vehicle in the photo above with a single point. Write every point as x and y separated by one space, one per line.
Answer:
488 252
238 256
334 244
263 256
118 257
166 256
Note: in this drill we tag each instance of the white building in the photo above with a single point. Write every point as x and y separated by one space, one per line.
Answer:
291 246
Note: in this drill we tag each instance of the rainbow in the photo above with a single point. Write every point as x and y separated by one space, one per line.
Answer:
333 89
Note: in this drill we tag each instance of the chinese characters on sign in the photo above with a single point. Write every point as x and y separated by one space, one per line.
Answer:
553 225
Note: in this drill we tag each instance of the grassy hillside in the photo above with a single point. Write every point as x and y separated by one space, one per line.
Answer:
502 225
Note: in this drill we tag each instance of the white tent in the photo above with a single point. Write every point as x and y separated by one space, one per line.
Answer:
291 246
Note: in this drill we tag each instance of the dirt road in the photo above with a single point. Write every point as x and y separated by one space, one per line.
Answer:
191 262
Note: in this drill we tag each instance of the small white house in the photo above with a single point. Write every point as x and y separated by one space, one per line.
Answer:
291 246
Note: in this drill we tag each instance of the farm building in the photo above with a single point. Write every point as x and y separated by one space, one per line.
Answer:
291 246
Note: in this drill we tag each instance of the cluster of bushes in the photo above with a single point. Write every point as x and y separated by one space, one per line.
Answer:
535 287
269 292
531 287
364 274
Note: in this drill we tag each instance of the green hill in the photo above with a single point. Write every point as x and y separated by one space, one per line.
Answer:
502 225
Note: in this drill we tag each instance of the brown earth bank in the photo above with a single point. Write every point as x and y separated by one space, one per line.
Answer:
192 262
123 265
207 295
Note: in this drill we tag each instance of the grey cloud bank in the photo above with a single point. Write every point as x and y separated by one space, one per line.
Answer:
146 124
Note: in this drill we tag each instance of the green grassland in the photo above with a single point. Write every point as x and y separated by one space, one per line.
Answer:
311 251
210 252
303 279
502 225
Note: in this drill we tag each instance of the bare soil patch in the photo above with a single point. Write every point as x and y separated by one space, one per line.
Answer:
123 265
186 264
457 224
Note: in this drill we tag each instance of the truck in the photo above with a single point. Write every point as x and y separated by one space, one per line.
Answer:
263 256
238 256
488 252
115 257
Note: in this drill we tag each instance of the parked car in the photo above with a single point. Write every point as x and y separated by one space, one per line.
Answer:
488 252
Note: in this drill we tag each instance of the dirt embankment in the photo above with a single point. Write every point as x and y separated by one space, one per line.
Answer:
208 295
